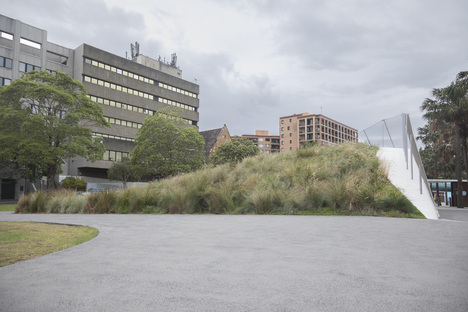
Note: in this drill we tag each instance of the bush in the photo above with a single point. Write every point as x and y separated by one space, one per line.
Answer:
72 183
345 179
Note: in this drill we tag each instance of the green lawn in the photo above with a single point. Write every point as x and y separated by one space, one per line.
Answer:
27 240
7 207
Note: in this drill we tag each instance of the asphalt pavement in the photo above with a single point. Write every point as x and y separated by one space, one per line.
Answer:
245 263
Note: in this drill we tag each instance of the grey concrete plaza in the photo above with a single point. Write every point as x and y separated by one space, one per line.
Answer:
246 263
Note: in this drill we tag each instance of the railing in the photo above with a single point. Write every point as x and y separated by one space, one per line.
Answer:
380 134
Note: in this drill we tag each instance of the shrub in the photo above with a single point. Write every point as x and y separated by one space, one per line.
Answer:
72 183
345 179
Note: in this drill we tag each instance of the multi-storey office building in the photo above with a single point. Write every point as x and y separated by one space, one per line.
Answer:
128 90
299 128
266 143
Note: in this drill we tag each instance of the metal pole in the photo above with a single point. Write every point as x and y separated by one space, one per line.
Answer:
389 135
383 142
420 179
367 137
404 135
411 154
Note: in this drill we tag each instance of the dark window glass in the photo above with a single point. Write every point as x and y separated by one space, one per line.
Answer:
8 63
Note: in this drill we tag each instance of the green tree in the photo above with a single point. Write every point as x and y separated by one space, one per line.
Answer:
234 151
49 113
72 183
165 147
121 171
450 108
437 154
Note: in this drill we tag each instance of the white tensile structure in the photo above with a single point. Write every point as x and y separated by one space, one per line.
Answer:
403 163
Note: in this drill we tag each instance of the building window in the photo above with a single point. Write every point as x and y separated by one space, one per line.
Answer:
260 139
114 155
289 128
260 145
290 134
30 43
5 81
282 149
6 35
282 121
25 67
282 142
290 141
282 128
6 62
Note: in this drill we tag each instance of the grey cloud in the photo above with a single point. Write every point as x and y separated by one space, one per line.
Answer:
244 103
86 21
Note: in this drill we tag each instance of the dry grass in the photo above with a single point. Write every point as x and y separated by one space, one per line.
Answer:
345 179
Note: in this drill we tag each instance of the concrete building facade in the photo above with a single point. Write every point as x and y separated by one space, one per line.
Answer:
300 128
129 90
265 142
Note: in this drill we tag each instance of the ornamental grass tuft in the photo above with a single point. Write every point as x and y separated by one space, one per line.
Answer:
346 179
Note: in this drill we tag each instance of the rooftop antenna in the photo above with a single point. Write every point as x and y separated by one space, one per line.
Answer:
135 49
174 59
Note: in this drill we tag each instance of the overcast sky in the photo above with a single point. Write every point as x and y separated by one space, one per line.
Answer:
357 62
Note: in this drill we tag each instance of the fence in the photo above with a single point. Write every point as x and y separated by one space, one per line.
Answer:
397 132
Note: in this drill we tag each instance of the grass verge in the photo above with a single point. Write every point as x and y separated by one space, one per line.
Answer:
27 240
7 207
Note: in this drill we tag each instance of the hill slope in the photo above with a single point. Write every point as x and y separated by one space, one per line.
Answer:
344 180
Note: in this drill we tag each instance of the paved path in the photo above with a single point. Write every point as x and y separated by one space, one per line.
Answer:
246 263
452 213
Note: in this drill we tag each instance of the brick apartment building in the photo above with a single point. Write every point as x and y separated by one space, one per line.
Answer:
266 143
299 128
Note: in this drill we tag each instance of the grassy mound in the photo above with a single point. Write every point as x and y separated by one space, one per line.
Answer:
342 180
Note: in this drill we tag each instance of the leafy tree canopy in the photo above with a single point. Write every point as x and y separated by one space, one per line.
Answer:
447 112
43 119
121 171
165 147
234 151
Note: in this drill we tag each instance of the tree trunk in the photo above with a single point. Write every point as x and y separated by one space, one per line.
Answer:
465 156
436 169
458 171
51 171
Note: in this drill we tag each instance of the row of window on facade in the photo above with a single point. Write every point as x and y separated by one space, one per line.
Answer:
129 107
23 67
114 155
138 77
145 95
24 41
115 137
